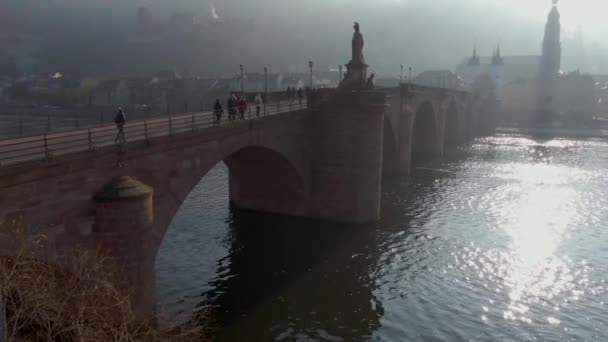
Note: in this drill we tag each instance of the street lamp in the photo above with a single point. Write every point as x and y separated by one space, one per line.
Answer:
410 75
340 74
310 65
265 88
242 79
265 80
401 77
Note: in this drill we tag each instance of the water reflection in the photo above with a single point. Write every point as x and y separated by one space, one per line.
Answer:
290 279
504 239
537 220
536 205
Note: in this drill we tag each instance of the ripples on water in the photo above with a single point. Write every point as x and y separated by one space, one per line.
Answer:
503 240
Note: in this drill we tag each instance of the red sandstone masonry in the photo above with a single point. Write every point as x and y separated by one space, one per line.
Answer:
324 165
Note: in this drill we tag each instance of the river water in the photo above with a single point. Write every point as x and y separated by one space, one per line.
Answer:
505 239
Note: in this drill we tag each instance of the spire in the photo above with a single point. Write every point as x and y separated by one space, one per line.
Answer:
474 60
496 58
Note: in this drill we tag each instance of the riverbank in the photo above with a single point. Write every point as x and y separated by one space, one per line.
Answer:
555 132
45 302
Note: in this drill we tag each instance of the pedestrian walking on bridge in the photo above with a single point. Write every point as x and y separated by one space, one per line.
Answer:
218 111
231 104
120 120
258 104
370 82
300 95
242 107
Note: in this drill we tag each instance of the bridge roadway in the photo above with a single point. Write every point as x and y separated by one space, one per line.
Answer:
49 145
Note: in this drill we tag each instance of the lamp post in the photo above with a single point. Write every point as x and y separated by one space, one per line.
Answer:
340 74
265 88
410 75
265 80
401 77
310 65
242 79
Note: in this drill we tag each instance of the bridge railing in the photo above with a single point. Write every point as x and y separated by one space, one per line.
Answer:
23 122
49 145
416 87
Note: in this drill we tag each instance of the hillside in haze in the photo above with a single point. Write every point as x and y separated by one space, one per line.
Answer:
107 38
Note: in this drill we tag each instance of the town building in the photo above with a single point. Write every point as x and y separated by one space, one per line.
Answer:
533 90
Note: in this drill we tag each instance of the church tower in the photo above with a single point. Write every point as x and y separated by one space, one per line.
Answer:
549 65
473 70
552 46
497 72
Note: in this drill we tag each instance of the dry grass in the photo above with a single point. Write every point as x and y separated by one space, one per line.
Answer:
77 302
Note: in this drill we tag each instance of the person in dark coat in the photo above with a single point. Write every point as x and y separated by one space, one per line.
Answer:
218 111
231 104
120 120
370 82
242 107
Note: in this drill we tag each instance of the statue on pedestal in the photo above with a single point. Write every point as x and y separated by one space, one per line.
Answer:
357 46
356 74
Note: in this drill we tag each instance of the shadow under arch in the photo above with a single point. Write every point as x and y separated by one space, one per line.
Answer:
390 157
253 180
282 268
470 124
424 134
452 127
261 179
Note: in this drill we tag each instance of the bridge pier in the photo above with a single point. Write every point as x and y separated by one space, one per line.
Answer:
487 110
406 123
124 215
347 159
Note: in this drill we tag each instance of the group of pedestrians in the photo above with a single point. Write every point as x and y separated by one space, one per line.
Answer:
292 93
236 107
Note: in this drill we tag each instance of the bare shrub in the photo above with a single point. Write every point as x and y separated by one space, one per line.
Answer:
74 302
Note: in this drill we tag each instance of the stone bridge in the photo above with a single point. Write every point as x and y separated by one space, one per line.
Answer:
323 162
422 122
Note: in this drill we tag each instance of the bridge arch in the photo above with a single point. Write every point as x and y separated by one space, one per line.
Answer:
453 125
470 120
390 154
425 135
261 177
265 180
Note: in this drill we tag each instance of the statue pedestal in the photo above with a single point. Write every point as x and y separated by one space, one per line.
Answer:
356 76
347 163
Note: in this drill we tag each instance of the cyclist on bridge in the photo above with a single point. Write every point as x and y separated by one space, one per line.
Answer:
120 120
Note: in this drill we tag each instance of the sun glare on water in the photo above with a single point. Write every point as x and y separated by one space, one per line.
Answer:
537 220
534 210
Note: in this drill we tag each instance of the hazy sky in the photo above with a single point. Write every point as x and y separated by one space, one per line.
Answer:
426 34
591 14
